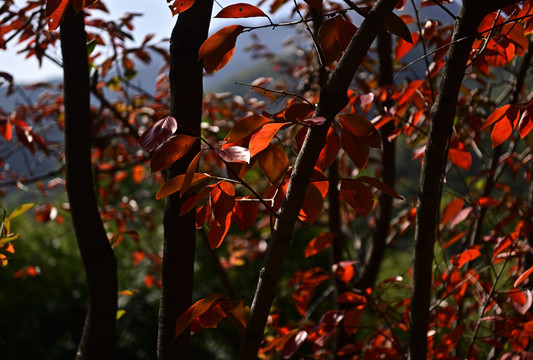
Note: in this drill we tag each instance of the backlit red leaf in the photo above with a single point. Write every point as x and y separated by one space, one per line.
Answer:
55 12
409 92
158 133
174 184
378 184
319 243
312 206
525 124
245 127
330 151
466 256
245 213
358 150
222 201
6 130
274 162
262 138
460 158
195 311
217 233
352 319
362 128
508 112
194 200
403 47
501 132
171 150
191 169
395 25
218 49
240 10
523 277
299 111
180 6
452 209
358 196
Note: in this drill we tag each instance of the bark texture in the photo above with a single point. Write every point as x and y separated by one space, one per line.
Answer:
97 255
332 99
186 90
442 115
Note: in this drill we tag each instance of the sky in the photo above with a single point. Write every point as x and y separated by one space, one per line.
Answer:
156 19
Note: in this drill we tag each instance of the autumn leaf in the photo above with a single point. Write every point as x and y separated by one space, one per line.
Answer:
175 184
195 311
299 111
234 154
452 209
319 243
460 157
262 138
170 151
358 196
217 232
180 6
158 133
466 256
508 112
501 132
240 10
218 49
21 209
245 213
403 47
293 344
274 162
222 201
189 174
378 184
523 277
525 125
245 126
395 25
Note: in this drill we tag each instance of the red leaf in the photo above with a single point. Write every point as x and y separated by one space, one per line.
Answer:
274 162
298 112
180 6
234 154
240 10
508 112
191 202
222 201
293 344
301 298
358 196
191 169
459 260
452 209
175 184
409 92
521 300
218 233
358 150
262 138
55 12
195 311
319 243
460 158
5 129
245 213
171 150
158 133
523 277
138 173
453 240
334 36
312 206
501 132
362 128
330 151
352 319
349 297
387 189
403 47
218 49
245 127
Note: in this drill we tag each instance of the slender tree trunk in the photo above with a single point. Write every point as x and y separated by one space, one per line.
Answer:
388 159
96 252
442 115
332 99
186 92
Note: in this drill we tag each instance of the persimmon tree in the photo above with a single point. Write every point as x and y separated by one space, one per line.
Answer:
260 186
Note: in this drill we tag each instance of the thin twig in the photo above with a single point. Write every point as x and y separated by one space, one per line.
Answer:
280 92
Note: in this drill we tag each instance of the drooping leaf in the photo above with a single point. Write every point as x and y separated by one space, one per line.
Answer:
195 311
245 126
319 243
357 149
362 128
523 277
262 138
460 157
395 25
274 162
158 133
222 201
175 184
194 200
452 209
245 213
402 47
240 10
191 170
170 151
21 209
466 256
217 232
358 196
312 206
218 49
378 184
501 132
180 6
234 154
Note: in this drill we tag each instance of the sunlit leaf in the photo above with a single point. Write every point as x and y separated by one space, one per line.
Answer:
299 111
171 150
466 256
523 277
189 174
501 132
245 126
175 184
218 49
274 162
21 209
319 243
55 12
262 138
403 47
196 310
312 206
452 209
180 6
240 10
222 201
217 232
525 124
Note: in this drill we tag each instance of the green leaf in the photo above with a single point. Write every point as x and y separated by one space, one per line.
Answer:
91 45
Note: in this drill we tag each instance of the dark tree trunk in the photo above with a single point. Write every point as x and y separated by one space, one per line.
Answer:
442 115
332 100
186 92
96 252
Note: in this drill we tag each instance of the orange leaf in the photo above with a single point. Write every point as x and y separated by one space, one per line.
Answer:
349 297
218 49
245 127
330 151
240 10
245 213
274 162
403 47
299 111
358 196
171 150
508 112
218 233
195 311
180 6
191 169
55 12
175 184
6 130
301 298
523 277
222 201
138 173
453 240
452 209
501 132
262 138
319 243
409 92
459 260
191 202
